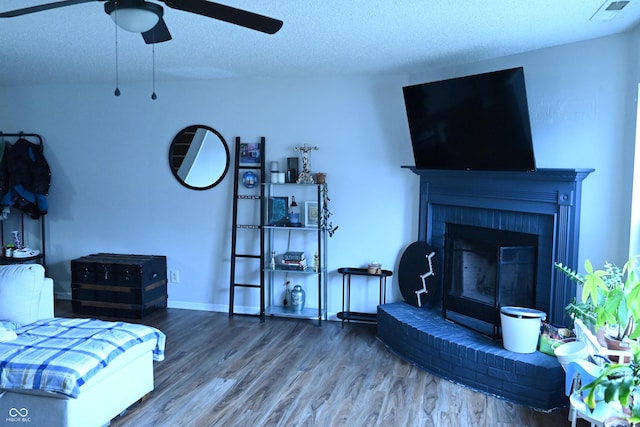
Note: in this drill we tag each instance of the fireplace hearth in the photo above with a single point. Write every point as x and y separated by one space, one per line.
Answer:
544 204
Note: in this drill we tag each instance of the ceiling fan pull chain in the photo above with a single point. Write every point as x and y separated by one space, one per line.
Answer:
153 61
117 91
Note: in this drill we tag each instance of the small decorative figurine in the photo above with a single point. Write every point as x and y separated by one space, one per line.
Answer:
316 262
305 177
272 264
16 239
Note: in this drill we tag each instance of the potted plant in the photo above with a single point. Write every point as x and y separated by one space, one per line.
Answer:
610 299
619 386
584 311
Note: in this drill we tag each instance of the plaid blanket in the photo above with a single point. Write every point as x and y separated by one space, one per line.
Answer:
60 355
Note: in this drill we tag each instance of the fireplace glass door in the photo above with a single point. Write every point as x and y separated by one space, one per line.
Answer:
484 270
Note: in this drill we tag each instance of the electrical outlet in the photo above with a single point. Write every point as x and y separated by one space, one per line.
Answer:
174 276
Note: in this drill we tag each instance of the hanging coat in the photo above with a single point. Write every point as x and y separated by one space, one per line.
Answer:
29 178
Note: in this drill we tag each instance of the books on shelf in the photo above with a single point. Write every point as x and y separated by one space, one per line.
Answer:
293 267
302 262
293 256
294 264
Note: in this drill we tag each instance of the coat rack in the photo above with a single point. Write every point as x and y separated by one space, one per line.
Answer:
4 260
25 136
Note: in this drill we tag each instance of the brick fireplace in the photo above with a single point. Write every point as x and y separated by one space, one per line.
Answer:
544 205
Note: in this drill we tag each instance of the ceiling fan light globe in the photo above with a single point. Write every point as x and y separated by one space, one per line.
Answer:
135 20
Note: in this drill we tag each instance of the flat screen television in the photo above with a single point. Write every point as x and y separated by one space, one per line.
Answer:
477 122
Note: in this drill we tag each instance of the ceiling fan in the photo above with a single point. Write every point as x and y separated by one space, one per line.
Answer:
144 17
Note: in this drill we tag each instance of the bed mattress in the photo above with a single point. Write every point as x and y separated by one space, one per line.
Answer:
60 355
125 379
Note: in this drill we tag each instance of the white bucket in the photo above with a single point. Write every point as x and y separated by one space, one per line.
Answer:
521 328
569 351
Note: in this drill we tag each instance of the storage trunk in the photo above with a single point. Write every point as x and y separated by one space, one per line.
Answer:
118 285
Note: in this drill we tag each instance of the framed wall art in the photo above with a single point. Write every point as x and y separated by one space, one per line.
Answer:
277 210
250 154
311 214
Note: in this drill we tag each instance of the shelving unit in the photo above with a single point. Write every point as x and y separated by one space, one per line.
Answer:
310 239
32 229
31 232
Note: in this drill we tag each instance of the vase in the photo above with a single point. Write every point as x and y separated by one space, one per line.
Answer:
292 169
569 351
617 345
297 298
596 343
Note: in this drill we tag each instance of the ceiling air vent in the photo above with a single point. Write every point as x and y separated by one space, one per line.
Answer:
609 10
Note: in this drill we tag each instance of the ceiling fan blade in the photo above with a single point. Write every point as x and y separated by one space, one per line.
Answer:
42 7
158 34
229 14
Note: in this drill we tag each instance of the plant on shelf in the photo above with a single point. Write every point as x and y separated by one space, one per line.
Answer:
610 298
581 310
618 384
326 213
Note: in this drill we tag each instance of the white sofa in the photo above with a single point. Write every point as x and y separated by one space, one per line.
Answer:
26 296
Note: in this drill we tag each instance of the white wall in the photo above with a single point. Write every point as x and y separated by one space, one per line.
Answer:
634 72
112 190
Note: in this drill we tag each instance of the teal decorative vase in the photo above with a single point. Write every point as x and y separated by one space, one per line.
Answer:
297 298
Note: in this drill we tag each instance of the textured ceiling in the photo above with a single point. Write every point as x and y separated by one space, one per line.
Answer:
319 38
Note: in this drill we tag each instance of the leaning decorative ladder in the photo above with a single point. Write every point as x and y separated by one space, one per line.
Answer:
246 202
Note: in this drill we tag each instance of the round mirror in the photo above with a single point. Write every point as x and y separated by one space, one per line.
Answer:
199 157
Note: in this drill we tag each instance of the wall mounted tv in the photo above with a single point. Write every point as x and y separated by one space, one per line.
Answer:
477 122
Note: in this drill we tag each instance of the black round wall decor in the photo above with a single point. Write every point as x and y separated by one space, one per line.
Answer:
419 276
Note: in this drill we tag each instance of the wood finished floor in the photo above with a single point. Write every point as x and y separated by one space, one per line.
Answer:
285 372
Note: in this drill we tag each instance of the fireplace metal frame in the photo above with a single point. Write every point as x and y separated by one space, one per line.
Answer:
483 317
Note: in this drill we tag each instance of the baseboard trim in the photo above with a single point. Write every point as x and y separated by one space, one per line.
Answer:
186 305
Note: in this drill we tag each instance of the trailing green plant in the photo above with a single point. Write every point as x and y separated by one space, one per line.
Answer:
326 213
611 295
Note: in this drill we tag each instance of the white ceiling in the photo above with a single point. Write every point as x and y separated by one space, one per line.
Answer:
319 38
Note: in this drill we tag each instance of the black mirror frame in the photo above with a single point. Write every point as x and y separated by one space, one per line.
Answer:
174 170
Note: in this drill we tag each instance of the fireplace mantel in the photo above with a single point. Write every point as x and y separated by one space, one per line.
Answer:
554 194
